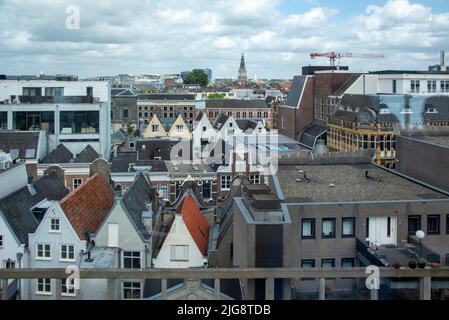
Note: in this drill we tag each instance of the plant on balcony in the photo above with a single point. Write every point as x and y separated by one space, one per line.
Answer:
397 265
435 264
412 264
421 264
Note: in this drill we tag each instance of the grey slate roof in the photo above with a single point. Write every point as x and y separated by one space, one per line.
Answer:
220 120
236 103
246 124
87 155
16 207
59 155
151 148
136 199
19 140
199 116
294 94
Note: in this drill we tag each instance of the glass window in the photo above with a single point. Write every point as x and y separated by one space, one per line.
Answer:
125 114
414 224
131 290
308 228
68 290
54 91
43 286
29 121
433 224
179 253
77 182
163 191
348 227
179 128
206 190
131 260
79 122
445 86
43 251
254 178
1 240
9 264
30 91
347 262
54 224
431 86
155 128
328 228
327 263
225 182
67 252
3 120
308 263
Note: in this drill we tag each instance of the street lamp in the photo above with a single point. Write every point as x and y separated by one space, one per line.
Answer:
420 235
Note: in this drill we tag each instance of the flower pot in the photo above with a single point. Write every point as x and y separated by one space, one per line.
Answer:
421 264
435 265
397 266
412 264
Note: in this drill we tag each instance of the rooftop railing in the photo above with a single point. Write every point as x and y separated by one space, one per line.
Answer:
56 99
425 277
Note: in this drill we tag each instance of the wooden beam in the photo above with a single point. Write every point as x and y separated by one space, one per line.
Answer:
163 289
223 273
4 288
217 289
269 289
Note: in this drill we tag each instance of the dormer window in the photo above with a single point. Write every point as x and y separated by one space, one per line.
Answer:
431 110
407 110
384 111
230 124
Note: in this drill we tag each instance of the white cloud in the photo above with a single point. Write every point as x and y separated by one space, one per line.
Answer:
171 35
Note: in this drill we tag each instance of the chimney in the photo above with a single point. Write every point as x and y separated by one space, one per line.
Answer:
442 62
115 152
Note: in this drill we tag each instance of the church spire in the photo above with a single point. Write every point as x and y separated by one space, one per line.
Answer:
242 63
242 78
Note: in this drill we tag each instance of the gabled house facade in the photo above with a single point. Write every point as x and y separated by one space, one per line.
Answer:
128 227
155 129
204 135
179 129
63 237
186 242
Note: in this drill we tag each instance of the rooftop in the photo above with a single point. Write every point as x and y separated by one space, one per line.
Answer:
63 155
164 96
88 205
188 168
21 144
438 140
346 182
16 207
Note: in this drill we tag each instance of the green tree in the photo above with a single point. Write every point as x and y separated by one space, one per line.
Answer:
197 76
129 128
216 95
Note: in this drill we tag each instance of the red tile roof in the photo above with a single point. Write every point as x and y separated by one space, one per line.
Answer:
88 205
196 223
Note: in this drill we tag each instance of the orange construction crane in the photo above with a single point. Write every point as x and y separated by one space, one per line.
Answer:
334 56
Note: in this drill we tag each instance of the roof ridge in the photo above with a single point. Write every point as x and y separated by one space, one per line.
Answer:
79 188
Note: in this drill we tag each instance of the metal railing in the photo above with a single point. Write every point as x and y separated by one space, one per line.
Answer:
373 258
427 254
55 99
425 277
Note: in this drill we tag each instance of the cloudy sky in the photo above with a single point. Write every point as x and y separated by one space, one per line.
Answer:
168 36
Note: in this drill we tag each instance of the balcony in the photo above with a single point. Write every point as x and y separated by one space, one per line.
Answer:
56 99
426 279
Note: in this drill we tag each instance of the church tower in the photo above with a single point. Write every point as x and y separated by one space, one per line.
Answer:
243 76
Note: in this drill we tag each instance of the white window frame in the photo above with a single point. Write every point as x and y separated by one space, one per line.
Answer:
153 126
173 253
132 257
254 178
76 180
58 224
415 86
164 196
68 292
10 262
226 181
43 251
44 283
131 288
179 128
431 86
67 246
